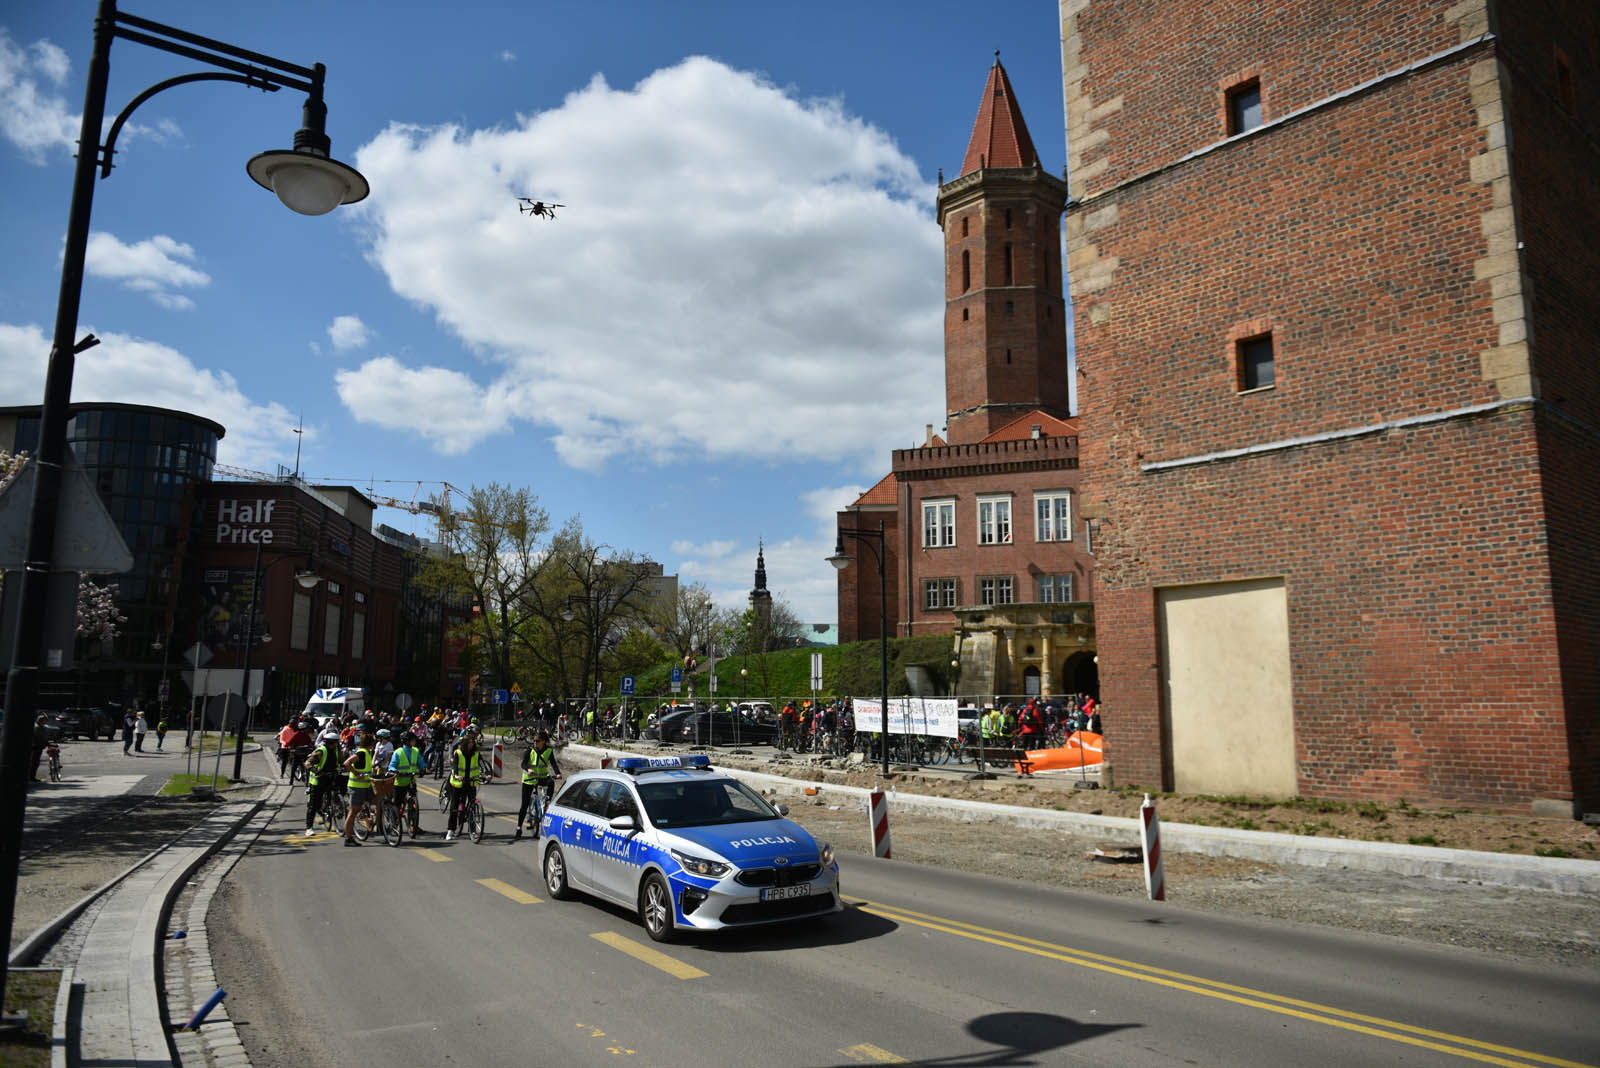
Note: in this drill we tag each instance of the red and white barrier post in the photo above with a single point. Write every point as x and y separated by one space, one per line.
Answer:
499 760
1155 879
878 821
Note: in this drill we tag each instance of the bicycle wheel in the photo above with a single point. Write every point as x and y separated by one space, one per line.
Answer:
413 814
392 821
55 769
475 821
444 799
366 823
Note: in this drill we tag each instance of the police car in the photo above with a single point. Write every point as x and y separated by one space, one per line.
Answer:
687 845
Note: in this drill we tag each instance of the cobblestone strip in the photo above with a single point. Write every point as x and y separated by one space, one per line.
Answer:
187 970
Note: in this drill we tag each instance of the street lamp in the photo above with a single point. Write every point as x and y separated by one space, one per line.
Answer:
305 178
841 561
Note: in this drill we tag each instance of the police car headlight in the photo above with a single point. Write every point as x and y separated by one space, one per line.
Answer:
825 854
713 869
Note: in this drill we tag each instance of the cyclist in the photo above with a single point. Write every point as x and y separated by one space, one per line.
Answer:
539 772
384 751
405 765
359 765
786 726
464 768
322 776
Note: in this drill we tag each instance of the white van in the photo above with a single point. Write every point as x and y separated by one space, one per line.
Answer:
331 704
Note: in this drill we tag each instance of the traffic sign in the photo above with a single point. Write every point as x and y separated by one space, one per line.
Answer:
677 675
816 671
677 686
516 687
402 701
627 684
500 697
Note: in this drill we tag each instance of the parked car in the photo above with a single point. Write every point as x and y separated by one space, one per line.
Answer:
666 728
719 728
88 723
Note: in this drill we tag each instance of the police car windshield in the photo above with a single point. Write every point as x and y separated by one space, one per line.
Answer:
702 802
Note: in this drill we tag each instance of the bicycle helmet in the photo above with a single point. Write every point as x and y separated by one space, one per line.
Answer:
330 736
384 733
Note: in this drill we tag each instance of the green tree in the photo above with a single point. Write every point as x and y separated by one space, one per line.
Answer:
492 556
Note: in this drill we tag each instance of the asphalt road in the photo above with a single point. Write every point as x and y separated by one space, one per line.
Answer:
444 953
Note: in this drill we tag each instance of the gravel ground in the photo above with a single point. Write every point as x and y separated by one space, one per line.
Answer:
1531 925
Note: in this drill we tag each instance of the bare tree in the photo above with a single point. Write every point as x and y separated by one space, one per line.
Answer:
685 621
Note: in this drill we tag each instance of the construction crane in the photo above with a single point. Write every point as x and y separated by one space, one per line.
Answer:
413 506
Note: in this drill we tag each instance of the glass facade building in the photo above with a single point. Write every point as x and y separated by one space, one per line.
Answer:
145 463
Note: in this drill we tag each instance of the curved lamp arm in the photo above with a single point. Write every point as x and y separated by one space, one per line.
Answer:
250 81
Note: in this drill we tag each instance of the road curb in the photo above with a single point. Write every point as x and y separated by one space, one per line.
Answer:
1554 874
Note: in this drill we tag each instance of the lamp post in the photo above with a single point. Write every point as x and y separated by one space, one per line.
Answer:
305 178
307 580
841 561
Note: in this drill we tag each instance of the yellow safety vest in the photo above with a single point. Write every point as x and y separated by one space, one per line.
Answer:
361 770
464 769
323 762
407 762
538 769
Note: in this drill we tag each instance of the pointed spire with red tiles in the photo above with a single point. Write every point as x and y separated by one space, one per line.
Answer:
999 136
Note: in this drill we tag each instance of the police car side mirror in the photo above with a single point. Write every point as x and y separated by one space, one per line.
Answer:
623 823
783 810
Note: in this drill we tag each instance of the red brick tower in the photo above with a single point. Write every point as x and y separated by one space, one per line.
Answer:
1005 332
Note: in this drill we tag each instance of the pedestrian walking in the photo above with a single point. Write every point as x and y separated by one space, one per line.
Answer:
161 732
127 732
140 729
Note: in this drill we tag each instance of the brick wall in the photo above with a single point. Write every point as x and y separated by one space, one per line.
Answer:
963 473
1430 587
858 584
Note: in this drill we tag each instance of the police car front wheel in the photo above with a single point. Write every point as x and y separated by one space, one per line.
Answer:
655 908
555 874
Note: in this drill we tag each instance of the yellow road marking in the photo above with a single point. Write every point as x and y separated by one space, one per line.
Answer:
1241 995
867 1053
675 968
521 897
303 840
433 855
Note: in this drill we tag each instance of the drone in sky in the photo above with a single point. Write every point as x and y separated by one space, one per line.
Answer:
529 206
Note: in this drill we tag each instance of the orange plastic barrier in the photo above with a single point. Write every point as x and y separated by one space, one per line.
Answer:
1083 749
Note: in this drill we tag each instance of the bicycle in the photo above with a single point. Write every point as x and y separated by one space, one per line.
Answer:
297 764
471 818
390 817
53 751
334 809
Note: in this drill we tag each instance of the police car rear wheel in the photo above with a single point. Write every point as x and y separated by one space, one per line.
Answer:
655 908
555 874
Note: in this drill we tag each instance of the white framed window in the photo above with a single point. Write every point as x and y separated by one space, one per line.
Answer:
939 523
996 589
994 520
1055 589
938 594
1052 515
334 587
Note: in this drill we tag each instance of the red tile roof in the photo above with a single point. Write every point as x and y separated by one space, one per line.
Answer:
1023 427
999 136
887 491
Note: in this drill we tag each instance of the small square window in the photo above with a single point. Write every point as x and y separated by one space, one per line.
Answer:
1244 108
1255 362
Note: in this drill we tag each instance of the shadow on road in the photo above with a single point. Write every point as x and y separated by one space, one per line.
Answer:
1018 1038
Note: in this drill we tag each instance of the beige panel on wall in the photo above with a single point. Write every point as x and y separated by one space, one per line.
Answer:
1225 650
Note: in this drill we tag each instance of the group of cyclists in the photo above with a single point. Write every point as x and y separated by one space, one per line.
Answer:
349 763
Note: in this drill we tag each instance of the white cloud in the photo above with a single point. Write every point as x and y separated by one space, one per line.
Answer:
737 272
797 567
436 402
156 266
508 56
31 116
35 117
132 370
348 332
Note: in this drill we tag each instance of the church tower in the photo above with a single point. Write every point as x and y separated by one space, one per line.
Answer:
761 597
1005 349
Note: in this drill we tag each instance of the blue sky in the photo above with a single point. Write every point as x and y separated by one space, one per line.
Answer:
733 320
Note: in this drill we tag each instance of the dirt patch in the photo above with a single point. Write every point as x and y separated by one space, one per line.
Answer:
33 992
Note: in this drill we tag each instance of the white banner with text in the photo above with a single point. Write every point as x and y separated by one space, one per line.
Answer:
934 717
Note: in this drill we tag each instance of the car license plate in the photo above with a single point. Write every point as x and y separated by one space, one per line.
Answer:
780 893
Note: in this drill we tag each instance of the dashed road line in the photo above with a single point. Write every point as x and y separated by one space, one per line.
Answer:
521 897
656 959
867 1053
433 855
